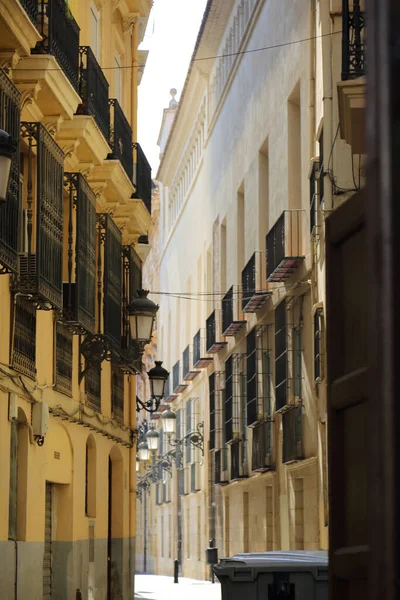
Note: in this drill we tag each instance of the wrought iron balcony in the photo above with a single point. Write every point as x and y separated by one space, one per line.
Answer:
79 291
177 380
10 210
63 360
23 356
262 447
230 326
40 267
129 358
212 345
112 303
199 360
253 296
292 440
120 138
259 344
353 39
31 8
187 360
93 387
238 466
93 89
117 393
60 33
142 179
284 244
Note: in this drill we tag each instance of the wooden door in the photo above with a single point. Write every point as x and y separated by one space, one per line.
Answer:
348 403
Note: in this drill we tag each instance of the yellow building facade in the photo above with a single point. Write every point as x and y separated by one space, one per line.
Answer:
79 201
259 155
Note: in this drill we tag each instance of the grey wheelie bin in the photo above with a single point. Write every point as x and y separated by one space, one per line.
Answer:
294 575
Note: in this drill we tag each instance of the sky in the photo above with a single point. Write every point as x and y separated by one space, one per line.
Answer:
170 37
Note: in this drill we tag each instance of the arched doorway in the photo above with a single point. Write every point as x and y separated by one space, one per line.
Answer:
115 526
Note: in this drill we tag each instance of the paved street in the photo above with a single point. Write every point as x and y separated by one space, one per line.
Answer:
158 587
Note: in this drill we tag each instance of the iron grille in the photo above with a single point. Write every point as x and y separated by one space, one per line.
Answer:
189 415
120 138
321 169
353 40
280 356
227 309
60 36
10 210
249 281
197 348
132 282
251 377
313 196
259 374
112 280
23 357
210 332
175 376
31 8
284 245
142 177
117 393
93 90
262 447
228 412
237 471
41 272
63 360
93 387
186 362
292 435
79 292
318 343
211 385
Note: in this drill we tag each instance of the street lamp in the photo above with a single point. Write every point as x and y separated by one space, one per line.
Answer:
144 452
8 147
169 421
158 377
142 313
152 439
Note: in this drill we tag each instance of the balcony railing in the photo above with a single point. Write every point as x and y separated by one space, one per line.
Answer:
259 343
79 291
112 279
120 138
284 244
353 40
253 296
23 357
10 210
199 360
188 372
292 438
93 387
212 345
262 447
41 267
238 468
60 33
31 8
93 89
230 326
142 177
63 360
117 393
177 380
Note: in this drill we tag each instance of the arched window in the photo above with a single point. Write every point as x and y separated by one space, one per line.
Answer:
90 478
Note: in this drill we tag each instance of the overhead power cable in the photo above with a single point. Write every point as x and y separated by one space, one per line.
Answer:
193 60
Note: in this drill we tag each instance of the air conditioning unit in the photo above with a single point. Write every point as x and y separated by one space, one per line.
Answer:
40 418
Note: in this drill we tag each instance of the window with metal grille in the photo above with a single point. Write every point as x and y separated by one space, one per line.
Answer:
23 356
280 356
63 379
292 438
112 279
175 376
186 362
321 167
117 393
262 446
211 384
197 348
297 360
228 412
259 374
93 387
313 196
188 453
318 344
210 332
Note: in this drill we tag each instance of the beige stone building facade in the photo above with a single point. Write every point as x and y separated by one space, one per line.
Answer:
262 149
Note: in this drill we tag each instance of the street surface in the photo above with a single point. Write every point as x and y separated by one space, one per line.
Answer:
159 587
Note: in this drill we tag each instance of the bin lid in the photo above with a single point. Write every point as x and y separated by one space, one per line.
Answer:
286 559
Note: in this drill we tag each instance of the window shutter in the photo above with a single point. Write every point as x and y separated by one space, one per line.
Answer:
228 399
280 356
211 383
251 377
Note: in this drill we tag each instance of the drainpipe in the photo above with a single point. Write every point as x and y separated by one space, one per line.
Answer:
327 70
134 78
16 567
132 482
313 14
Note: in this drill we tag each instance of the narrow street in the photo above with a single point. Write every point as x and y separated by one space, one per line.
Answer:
159 587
